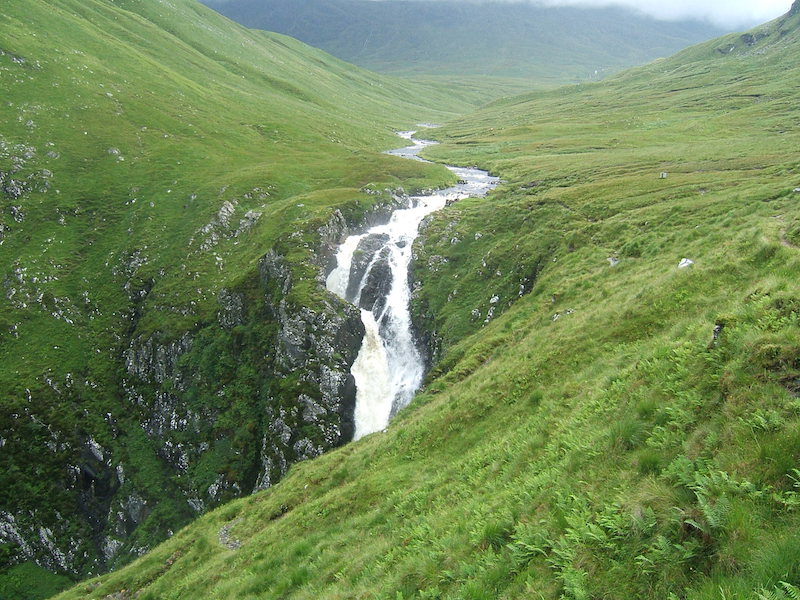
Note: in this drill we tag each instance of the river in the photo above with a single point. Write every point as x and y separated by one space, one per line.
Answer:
372 272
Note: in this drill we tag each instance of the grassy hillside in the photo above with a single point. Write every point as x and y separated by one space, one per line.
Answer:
151 154
550 45
625 431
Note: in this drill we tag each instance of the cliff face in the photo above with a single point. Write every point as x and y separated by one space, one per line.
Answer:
216 412
314 350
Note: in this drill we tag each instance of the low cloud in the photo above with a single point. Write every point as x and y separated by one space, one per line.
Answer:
726 13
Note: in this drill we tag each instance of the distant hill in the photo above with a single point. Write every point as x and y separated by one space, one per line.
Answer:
550 44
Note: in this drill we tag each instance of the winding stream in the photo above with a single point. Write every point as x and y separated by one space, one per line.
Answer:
372 273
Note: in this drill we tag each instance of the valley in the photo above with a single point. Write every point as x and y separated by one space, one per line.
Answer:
609 405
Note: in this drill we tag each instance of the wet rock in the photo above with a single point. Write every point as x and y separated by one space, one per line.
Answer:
322 344
377 284
225 538
365 254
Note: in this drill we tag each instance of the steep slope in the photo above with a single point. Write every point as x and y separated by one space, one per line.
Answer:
625 431
547 44
169 181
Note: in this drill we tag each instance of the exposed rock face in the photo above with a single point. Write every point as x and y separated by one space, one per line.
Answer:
377 284
203 416
363 257
316 347
331 235
156 362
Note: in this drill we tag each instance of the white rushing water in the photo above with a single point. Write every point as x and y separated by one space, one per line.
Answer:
372 273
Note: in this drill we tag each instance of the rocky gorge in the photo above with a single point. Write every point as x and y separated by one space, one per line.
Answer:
199 417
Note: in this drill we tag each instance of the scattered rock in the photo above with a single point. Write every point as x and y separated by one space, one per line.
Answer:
225 538
613 261
251 217
715 334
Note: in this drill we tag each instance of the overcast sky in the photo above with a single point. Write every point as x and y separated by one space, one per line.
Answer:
727 13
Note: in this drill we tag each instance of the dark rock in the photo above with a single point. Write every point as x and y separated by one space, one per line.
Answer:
321 343
377 284
363 257
98 484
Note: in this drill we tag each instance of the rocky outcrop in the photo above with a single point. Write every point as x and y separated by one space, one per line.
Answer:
315 348
202 416
108 514
231 308
154 361
377 284
363 258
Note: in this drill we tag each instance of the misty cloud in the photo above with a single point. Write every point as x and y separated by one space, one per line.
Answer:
726 13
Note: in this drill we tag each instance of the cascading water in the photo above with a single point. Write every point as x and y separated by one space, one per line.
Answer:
372 273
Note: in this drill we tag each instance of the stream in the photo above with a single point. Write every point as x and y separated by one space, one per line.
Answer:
372 273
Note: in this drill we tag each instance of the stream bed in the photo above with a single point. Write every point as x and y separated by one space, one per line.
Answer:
372 273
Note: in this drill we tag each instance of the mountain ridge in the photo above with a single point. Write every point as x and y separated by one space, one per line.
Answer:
550 45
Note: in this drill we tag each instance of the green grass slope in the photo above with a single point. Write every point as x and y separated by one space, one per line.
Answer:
127 127
547 44
627 431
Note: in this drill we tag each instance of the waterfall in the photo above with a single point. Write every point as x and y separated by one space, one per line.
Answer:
372 272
